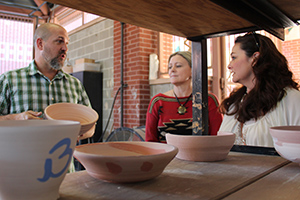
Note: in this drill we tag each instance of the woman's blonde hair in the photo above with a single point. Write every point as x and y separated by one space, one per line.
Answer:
185 54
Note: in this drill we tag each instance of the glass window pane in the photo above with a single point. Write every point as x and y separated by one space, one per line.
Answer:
16 41
77 22
89 17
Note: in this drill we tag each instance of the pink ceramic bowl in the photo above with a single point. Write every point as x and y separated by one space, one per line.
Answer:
125 161
287 142
74 112
202 148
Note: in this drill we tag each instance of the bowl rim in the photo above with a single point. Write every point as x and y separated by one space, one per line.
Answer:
95 114
224 134
36 123
173 150
286 128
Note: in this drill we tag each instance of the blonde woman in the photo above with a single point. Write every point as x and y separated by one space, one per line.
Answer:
171 112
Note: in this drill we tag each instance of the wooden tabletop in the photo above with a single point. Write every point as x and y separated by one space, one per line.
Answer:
238 175
283 183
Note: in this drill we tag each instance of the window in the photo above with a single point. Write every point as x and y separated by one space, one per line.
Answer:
71 19
16 36
16 42
169 44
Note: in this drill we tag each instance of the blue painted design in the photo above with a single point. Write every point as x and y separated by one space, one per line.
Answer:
48 162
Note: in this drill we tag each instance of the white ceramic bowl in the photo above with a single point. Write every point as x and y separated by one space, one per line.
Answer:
35 156
202 148
74 112
125 161
287 142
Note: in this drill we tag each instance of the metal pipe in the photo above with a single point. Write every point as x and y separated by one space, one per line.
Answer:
122 83
18 14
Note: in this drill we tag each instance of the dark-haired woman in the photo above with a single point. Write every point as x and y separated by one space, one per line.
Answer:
171 112
268 97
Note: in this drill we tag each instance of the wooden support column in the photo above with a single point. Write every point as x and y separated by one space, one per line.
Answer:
200 89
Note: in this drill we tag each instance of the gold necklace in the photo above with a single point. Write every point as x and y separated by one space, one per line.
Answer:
182 109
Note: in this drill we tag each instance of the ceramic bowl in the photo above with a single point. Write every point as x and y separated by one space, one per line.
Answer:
35 156
125 161
202 148
287 142
74 112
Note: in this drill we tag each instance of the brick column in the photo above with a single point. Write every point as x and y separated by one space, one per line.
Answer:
291 50
139 43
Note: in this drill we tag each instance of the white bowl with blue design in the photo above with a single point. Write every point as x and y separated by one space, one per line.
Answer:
35 156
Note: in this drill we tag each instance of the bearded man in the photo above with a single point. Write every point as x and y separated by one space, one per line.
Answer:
26 92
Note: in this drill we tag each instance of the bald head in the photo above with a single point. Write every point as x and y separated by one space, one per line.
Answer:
50 46
44 31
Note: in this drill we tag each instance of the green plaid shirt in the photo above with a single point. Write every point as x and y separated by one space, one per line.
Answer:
28 89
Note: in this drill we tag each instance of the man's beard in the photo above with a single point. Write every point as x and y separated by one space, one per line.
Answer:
54 62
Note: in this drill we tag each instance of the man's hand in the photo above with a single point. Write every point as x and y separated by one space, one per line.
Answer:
23 116
29 115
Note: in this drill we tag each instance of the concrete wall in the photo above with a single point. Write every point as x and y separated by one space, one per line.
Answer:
96 42
160 88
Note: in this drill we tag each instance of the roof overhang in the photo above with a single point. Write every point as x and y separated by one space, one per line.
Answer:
196 18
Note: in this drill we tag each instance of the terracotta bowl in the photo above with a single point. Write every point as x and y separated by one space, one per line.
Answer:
202 148
74 112
287 142
35 156
125 161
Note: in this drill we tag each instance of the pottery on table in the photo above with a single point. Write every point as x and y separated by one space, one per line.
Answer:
287 142
125 161
35 156
74 112
202 148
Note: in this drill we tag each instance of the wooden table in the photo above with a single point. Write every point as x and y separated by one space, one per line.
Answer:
283 183
240 176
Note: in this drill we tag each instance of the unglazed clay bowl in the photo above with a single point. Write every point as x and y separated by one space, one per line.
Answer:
202 148
125 161
74 112
287 142
35 156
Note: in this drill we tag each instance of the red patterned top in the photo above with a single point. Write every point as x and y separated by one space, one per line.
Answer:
162 117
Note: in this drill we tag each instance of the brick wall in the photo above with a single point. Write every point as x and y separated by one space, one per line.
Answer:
139 43
291 50
166 50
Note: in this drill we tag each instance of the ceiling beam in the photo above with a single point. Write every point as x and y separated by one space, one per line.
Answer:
261 13
43 7
16 10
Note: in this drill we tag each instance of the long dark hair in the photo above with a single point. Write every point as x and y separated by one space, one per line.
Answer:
272 77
